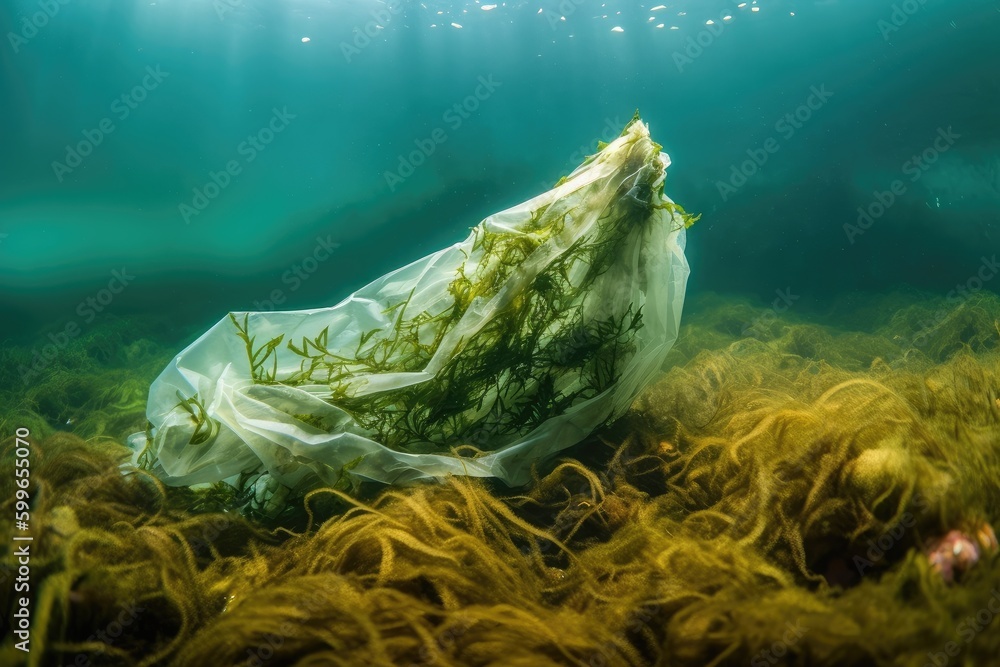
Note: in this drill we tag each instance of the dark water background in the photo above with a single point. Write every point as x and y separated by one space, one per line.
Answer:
899 75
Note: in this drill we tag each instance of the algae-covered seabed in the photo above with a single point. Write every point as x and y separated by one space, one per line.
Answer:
768 501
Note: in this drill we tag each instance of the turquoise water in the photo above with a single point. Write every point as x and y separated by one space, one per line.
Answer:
169 162
164 95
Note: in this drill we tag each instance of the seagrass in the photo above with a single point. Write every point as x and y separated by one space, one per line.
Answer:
733 502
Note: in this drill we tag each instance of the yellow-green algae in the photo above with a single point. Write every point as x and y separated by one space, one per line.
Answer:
731 504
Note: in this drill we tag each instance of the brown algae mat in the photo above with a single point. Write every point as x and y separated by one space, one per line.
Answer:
789 492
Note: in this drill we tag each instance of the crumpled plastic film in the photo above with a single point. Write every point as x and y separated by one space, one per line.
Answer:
480 359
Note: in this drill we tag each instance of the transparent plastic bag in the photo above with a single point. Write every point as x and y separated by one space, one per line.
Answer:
480 359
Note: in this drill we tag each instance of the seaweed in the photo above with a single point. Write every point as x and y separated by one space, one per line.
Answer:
769 494
539 356
257 357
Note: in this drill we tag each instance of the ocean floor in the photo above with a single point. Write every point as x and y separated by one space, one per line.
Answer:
792 491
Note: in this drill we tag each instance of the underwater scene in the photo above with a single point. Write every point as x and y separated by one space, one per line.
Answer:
538 333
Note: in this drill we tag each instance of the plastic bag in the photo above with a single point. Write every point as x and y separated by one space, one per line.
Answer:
480 359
